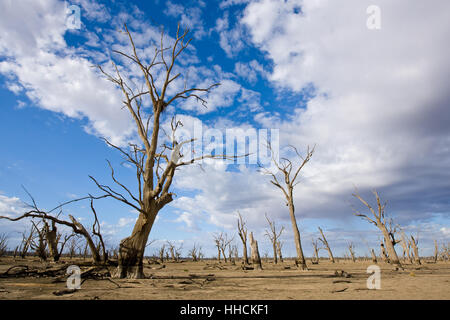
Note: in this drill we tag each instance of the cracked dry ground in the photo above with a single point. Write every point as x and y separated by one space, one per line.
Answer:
210 280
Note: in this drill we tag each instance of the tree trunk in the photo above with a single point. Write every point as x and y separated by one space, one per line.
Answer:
52 241
383 253
298 245
325 242
244 252
256 259
436 251
274 245
374 257
218 253
280 256
87 236
131 249
393 258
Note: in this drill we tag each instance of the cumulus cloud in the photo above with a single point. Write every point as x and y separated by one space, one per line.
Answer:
55 77
189 17
378 115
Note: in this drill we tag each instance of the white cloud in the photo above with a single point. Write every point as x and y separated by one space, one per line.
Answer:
190 17
231 38
54 76
249 71
378 118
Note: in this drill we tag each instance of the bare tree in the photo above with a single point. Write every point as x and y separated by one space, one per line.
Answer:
436 251
40 247
414 245
44 216
26 242
351 249
374 256
3 244
256 259
222 241
171 249
73 246
386 226
279 250
383 253
325 243
161 252
242 232
195 252
445 251
273 235
406 245
290 175
155 163
315 245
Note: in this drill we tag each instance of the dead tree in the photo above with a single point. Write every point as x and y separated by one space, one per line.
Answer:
273 235
155 162
175 251
222 241
387 228
161 252
374 256
279 251
316 251
325 243
406 245
445 252
171 249
26 242
351 249
195 252
73 246
414 245
383 253
40 247
436 251
3 244
256 259
290 175
42 215
242 232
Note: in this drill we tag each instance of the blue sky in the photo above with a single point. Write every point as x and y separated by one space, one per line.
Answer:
375 102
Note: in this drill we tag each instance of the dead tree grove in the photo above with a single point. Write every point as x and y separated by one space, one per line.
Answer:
290 175
40 232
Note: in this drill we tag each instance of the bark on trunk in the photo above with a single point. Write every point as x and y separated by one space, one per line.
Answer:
436 251
131 249
280 256
300 261
52 241
383 253
274 245
325 242
256 259
393 258
87 236
374 257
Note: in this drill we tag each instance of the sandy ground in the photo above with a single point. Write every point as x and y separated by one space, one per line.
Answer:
204 280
